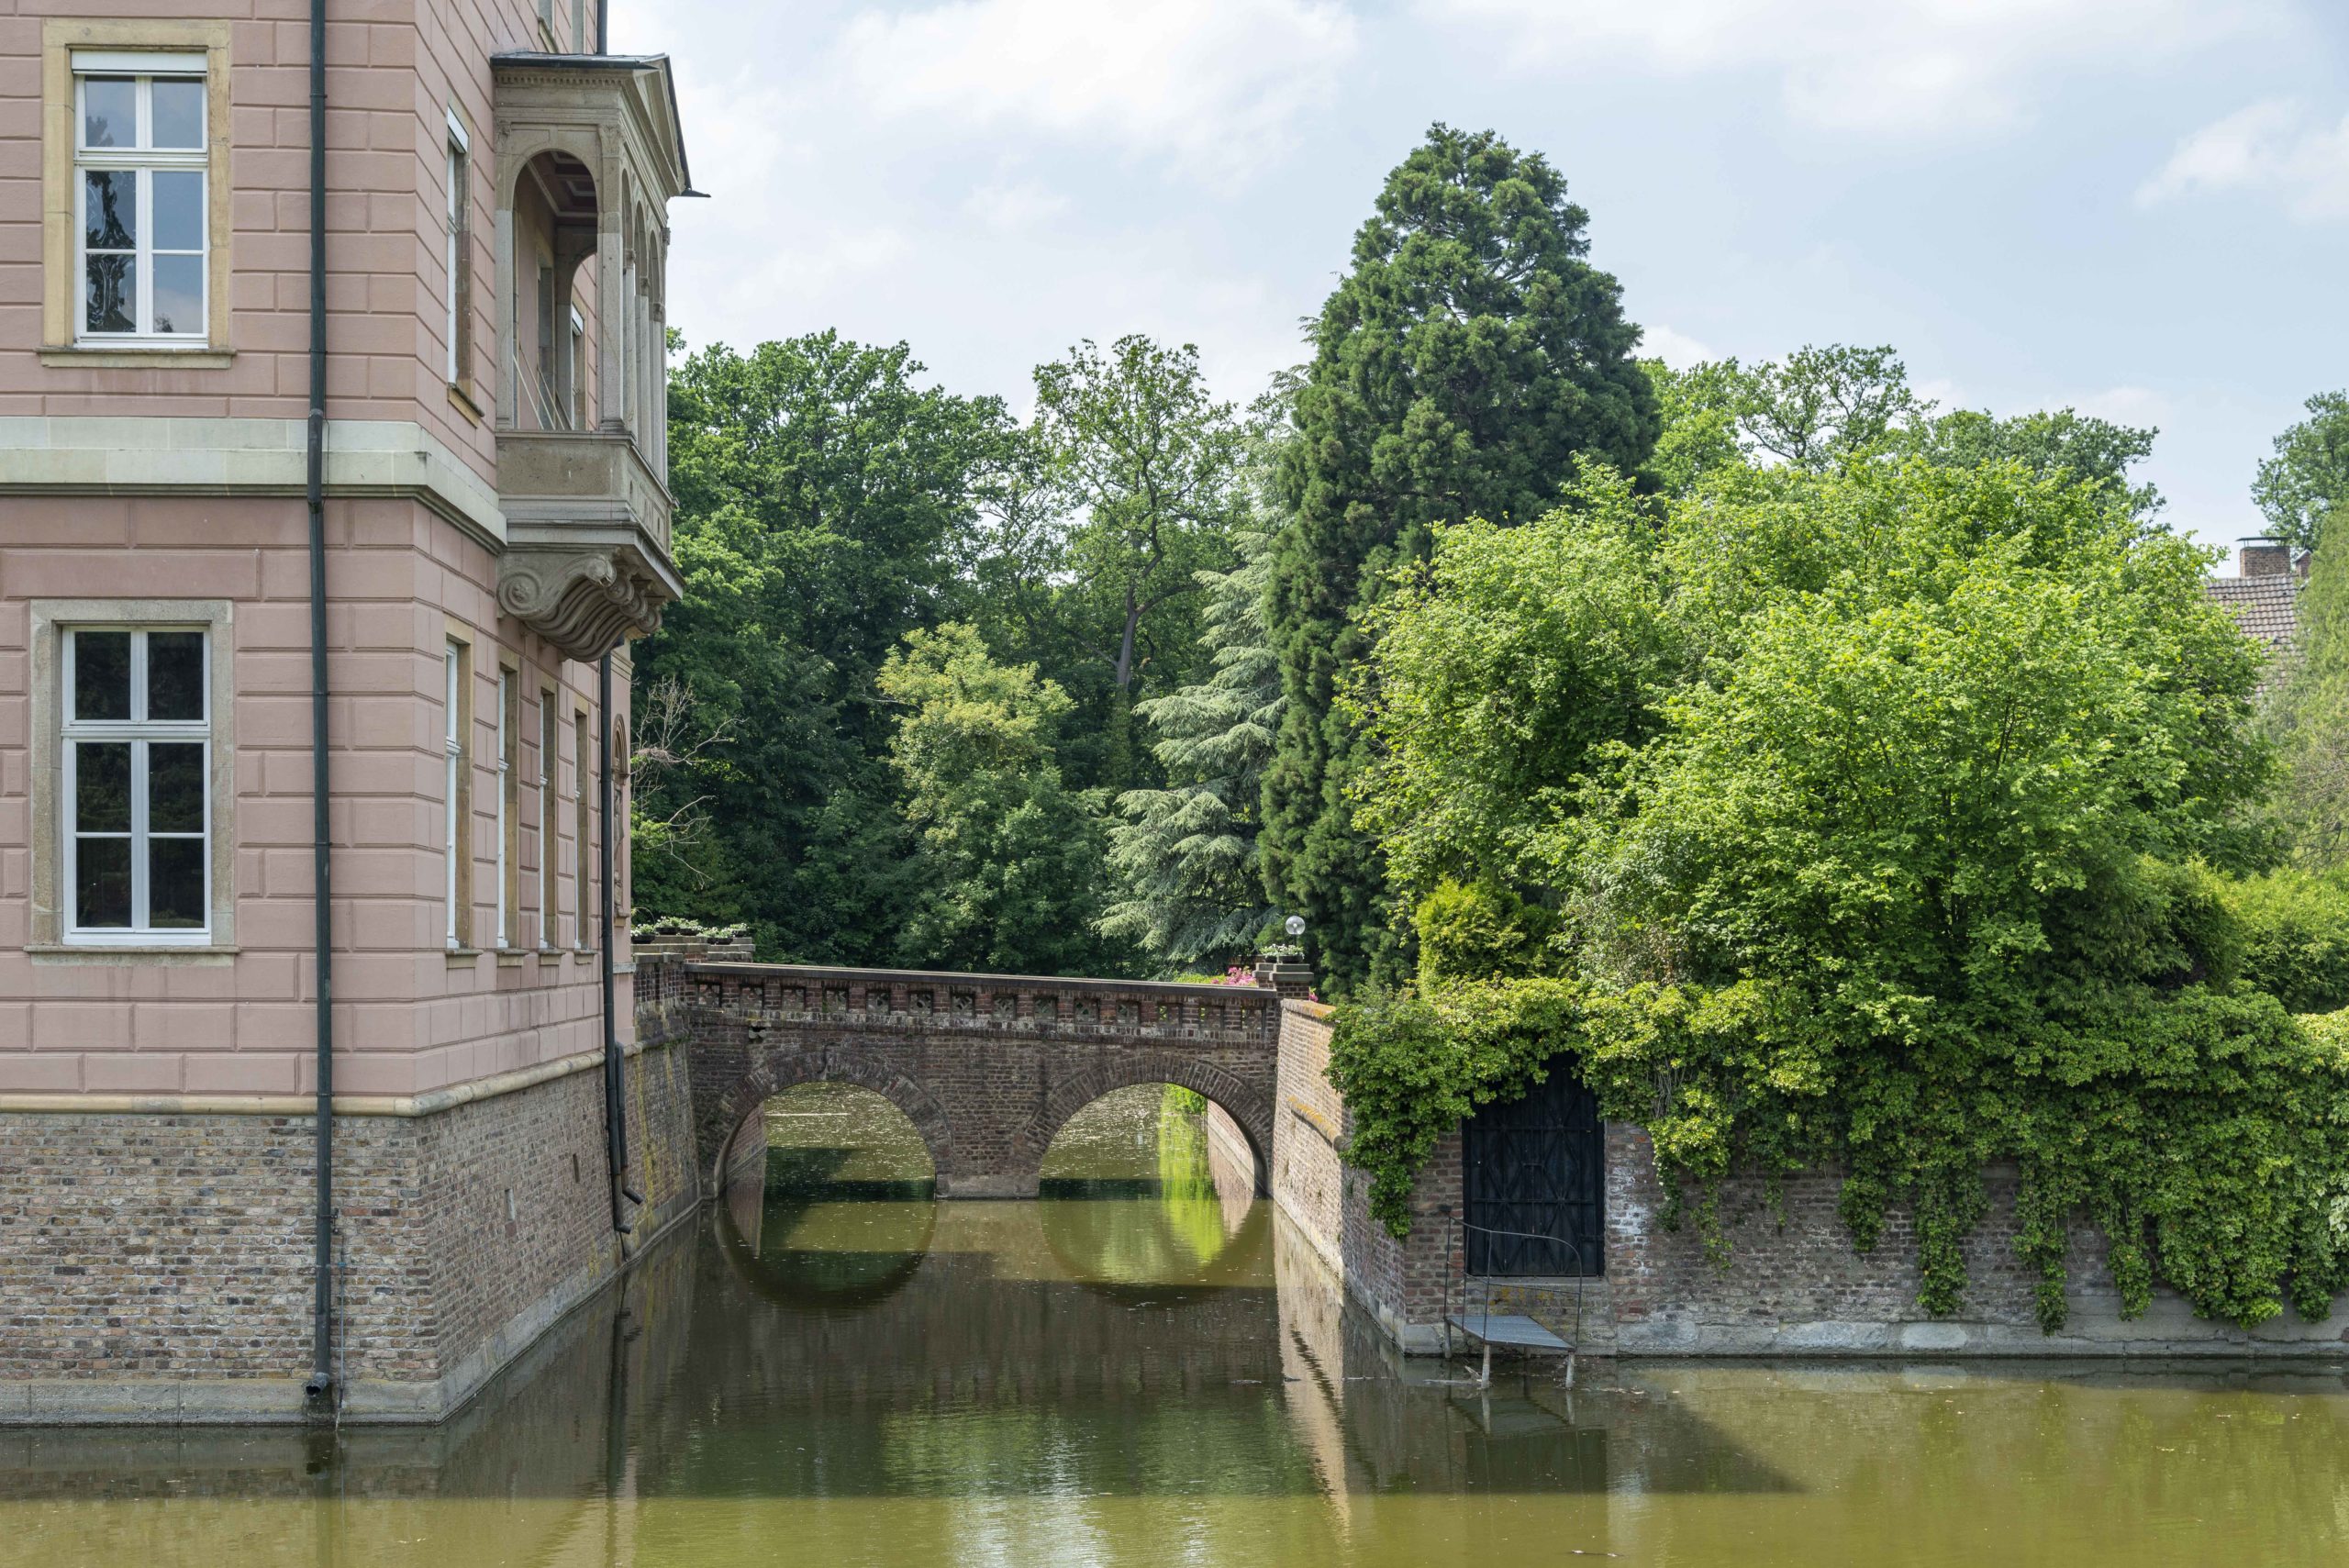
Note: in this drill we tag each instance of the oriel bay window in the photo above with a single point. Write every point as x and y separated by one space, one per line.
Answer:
142 197
135 771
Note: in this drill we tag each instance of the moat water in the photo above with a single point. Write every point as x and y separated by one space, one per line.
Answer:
1146 1368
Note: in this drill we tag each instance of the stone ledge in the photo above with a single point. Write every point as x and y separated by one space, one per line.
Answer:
432 1102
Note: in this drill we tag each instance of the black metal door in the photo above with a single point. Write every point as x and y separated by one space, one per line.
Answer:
1533 1179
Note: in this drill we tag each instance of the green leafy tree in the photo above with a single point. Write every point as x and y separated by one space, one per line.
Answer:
1819 409
1894 856
2308 479
1466 360
1823 408
2308 711
821 491
1698 434
1135 489
1192 888
2060 443
1009 878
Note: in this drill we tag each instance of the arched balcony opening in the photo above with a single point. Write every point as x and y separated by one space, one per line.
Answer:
554 220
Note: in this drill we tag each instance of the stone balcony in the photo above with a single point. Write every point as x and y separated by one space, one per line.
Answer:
586 562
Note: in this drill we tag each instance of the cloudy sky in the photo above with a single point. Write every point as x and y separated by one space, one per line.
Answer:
2138 207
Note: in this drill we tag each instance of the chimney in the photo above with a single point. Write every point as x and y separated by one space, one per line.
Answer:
2262 558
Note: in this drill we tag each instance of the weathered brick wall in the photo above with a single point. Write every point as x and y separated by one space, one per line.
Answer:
1329 1200
160 1266
1793 1284
986 1067
520 1214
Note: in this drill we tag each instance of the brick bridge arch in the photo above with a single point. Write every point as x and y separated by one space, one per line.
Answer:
987 1067
1071 1094
771 1075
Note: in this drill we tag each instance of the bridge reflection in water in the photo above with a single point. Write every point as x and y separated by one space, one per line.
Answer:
1138 1369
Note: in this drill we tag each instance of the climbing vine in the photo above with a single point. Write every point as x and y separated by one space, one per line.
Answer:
2207 1139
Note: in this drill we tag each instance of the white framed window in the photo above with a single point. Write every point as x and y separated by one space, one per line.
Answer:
458 329
583 844
141 197
509 780
454 676
546 787
135 785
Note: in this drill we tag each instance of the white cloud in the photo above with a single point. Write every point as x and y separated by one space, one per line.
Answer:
1010 206
1884 65
1207 82
2278 146
1675 348
2138 405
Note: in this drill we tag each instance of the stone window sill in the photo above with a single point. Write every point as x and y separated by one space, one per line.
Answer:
463 958
461 400
95 358
510 958
160 953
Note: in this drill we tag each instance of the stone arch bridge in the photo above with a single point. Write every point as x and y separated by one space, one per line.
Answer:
987 1067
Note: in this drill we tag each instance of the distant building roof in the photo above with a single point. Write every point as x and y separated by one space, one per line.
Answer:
2265 607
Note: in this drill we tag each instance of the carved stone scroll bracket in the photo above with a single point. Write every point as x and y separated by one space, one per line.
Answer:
585 601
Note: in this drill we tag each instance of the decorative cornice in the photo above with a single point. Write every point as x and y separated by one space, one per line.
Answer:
102 454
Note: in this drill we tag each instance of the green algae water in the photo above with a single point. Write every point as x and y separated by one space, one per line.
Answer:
1146 1368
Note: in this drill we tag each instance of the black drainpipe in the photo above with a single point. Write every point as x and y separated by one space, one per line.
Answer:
615 1094
320 1386
603 27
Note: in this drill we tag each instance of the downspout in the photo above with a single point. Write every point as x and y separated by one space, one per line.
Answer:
603 27
320 1389
615 1091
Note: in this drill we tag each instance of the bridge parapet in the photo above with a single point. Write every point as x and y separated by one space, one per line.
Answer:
987 1067
1064 1008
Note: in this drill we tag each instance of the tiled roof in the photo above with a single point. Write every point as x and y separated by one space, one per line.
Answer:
2262 605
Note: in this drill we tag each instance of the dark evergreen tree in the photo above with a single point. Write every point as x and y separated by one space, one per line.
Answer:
1187 855
1469 357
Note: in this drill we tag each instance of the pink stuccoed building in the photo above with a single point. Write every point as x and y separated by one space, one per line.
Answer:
486 494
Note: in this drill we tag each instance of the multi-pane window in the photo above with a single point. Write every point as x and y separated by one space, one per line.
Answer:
585 874
459 334
546 786
142 206
454 676
510 729
136 762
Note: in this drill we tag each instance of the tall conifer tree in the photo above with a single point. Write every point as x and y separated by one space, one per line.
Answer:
1464 363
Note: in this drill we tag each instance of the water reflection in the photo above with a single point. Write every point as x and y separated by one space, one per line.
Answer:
1097 1380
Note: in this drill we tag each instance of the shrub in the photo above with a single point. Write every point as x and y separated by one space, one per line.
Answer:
2292 931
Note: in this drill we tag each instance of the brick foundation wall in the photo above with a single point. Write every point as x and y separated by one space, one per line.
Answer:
159 1267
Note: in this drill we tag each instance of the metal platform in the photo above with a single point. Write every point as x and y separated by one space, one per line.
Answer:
1511 1331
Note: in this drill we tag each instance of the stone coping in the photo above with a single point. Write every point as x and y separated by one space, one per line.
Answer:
430 1102
1164 990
